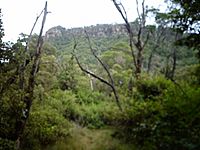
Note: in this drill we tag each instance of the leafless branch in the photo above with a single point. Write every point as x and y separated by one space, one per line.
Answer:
123 13
98 59
132 41
138 43
30 35
146 40
111 85
143 14
90 73
28 98
142 21
159 38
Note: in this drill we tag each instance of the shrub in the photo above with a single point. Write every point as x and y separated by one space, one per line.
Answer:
60 100
6 144
172 123
91 109
85 115
189 74
45 126
153 87
85 96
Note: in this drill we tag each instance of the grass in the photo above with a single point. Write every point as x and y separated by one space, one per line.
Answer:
82 138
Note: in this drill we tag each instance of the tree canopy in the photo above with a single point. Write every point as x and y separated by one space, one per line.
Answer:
184 17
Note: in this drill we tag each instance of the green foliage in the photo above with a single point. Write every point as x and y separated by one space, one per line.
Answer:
189 74
184 16
158 115
10 95
45 126
48 49
6 144
88 97
67 77
150 88
60 100
113 57
169 123
85 109
47 123
11 108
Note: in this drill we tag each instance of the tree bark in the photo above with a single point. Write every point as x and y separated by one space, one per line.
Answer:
149 62
28 99
91 82
174 64
138 43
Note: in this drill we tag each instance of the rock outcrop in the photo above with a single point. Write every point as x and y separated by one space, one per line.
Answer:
100 30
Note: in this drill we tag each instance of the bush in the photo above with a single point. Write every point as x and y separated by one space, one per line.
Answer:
6 144
91 109
189 74
87 96
152 88
45 126
171 123
60 100
85 115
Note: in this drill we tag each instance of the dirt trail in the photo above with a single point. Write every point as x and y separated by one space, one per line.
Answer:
91 139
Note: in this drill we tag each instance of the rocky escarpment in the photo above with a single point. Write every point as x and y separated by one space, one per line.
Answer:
103 30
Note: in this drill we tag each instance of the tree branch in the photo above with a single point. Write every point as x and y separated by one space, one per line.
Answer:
28 98
128 28
111 85
98 59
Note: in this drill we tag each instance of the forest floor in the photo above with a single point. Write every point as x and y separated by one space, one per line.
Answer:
82 138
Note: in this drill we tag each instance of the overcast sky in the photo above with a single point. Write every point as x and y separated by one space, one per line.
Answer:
19 15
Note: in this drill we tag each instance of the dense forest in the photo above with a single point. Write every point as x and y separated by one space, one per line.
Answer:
127 86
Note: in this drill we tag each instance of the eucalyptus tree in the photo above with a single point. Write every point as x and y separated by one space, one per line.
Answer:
184 17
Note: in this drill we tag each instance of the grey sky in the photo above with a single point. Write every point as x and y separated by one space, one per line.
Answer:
19 15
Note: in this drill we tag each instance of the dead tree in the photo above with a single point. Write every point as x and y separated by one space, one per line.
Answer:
91 81
28 98
171 62
109 83
22 67
135 39
158 38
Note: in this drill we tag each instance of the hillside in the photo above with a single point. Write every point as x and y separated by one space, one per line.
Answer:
104 35
114 37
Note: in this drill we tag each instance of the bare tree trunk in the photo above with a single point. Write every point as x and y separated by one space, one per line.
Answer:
138 43
167 69
158 38
149 62
139 63
174 64
28 99
91 82
27 60
174 59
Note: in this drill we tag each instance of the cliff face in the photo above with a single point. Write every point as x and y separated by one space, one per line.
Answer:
55 32
103 30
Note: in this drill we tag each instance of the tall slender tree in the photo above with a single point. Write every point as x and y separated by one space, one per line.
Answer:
136 39
185 17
